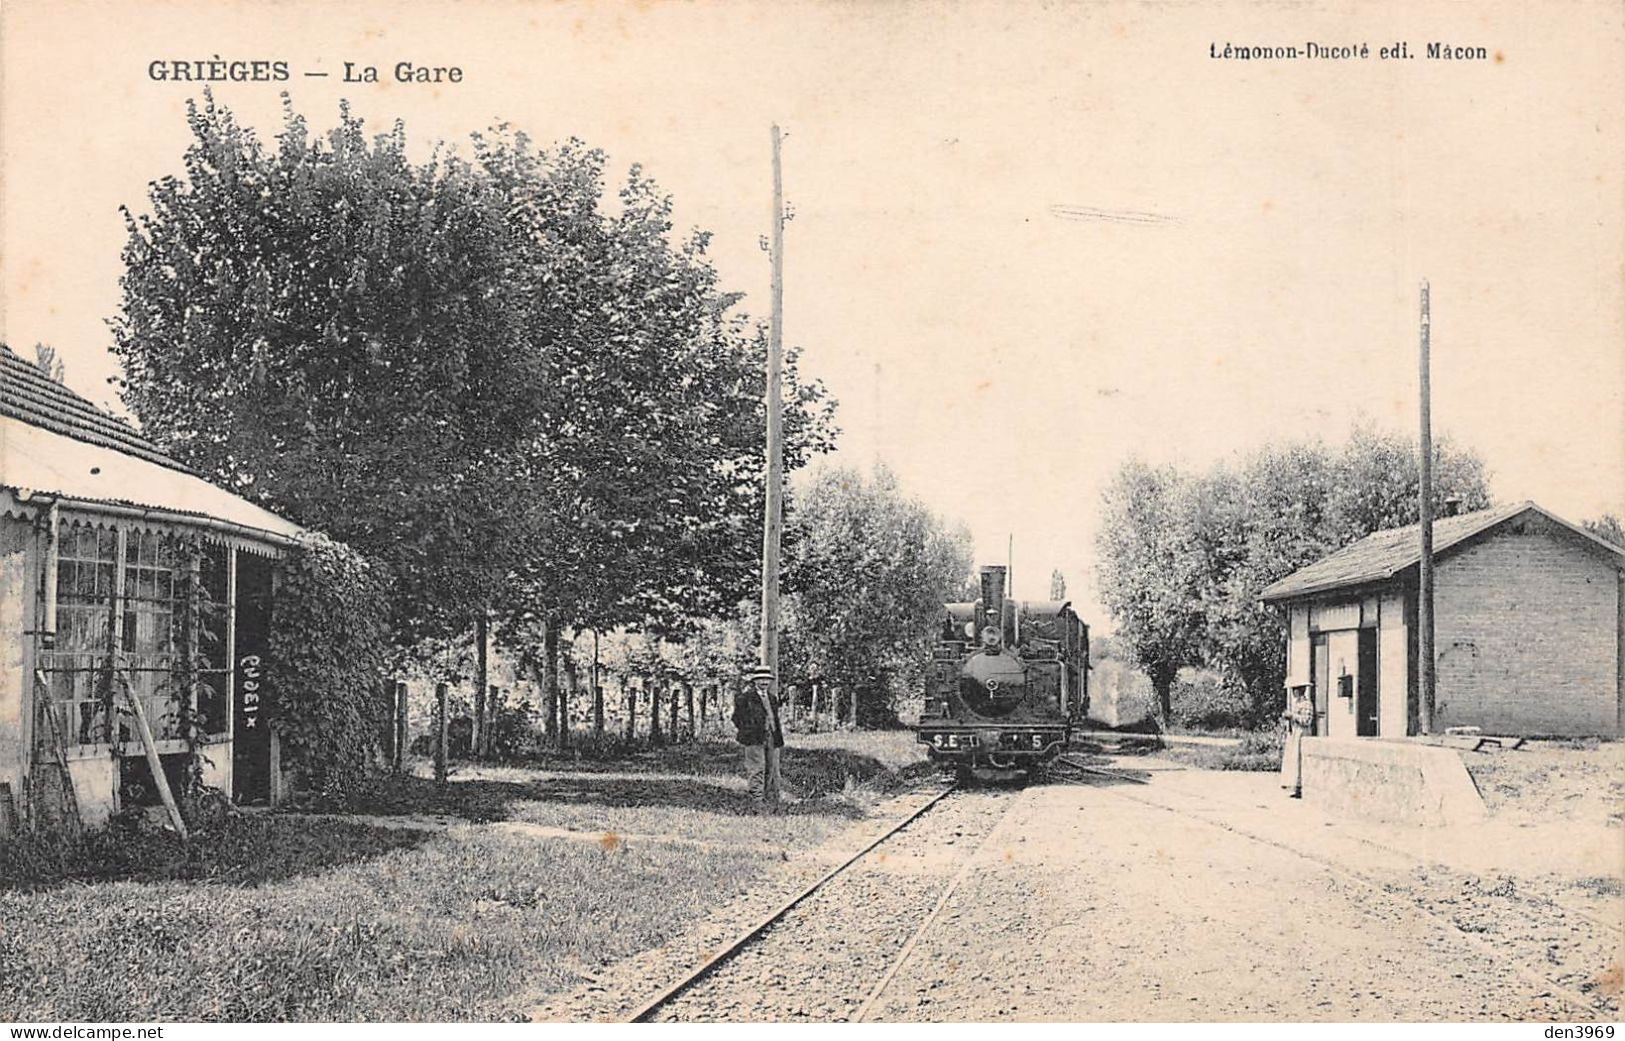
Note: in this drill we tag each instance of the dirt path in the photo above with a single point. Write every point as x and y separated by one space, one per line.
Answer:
1105 906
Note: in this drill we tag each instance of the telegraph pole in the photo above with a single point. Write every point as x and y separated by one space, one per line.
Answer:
1424 592
774 510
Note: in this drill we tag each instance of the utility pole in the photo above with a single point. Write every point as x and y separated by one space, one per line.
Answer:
1424 592
774 510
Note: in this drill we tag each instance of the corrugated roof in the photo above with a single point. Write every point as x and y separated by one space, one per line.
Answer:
1384 554
28 394
56 442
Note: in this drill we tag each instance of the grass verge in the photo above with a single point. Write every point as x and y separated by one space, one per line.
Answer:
1258 751
270 917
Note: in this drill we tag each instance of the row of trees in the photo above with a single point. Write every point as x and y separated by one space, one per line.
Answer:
866 573
1183 555
523 395
518 392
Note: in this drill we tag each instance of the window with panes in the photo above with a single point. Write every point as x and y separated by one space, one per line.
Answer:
167 601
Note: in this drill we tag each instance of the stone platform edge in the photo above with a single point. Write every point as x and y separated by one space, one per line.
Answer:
1401 782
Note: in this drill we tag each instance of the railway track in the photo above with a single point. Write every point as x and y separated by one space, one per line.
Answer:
1069 768
872 999
1069 762
651 1008
1565 907
655 1006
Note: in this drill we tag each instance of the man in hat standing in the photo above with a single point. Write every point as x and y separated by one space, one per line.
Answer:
754 723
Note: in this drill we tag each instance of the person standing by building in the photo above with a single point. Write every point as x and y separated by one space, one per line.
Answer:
1300 720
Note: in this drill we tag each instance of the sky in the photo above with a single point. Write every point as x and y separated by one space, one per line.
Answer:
959 270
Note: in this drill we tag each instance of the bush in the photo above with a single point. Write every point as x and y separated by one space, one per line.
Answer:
237 848
329 654
122 847
1259 750
1201 701
513 730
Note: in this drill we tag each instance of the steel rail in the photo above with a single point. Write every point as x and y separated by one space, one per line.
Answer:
907 950
654 1004
1072 764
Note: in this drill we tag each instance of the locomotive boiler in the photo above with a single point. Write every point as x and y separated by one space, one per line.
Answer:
1007 682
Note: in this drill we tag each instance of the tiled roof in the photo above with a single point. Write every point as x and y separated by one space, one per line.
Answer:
1384 554
28 394
55 442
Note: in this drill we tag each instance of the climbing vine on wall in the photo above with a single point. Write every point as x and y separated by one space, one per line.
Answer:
192 603
330 648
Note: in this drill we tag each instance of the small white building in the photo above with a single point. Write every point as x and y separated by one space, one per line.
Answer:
117 563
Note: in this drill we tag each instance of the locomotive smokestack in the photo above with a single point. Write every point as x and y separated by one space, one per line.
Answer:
992 601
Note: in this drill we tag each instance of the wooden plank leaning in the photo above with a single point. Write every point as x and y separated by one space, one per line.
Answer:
154 763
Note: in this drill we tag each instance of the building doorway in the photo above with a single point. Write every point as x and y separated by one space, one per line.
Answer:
1320 679
1365 688
251 732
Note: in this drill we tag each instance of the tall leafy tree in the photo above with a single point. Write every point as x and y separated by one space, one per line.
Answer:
652 458
1185 556
336 332
1292 505
519 395
867 574
1149 574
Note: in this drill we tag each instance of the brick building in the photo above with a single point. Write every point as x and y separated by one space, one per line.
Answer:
1529 628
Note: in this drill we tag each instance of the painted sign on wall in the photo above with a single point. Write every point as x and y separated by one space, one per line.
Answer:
251 733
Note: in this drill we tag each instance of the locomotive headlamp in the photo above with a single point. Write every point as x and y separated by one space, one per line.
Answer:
990 638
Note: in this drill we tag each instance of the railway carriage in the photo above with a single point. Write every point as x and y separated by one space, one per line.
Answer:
1007 682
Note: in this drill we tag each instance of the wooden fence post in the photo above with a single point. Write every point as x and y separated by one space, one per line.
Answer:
566 699
688 697
482 680
550 678
654 711
440 733
631 693
493 701
401 735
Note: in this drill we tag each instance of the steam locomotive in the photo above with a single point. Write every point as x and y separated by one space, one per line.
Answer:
1007 683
